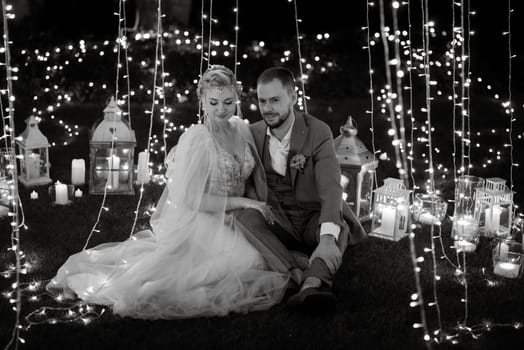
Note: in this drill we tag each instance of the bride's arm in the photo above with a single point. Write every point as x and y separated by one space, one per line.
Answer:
213 203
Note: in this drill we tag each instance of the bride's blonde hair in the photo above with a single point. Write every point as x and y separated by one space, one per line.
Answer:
217 76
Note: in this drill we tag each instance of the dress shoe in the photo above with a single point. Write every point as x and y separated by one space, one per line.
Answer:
314 300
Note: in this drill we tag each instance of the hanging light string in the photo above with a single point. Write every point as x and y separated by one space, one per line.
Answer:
103 208
14 195
299 51
238 102
389 94
462 90
411 111
417 298
399 107
467 62
202 28
427 76
165 110
371 91
151 112
509 108
453 90
126 58
210 41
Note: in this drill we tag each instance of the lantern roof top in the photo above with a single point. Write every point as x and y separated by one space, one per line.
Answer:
113 125
32 137
394 187
350 150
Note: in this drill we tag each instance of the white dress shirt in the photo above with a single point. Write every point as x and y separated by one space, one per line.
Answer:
279 151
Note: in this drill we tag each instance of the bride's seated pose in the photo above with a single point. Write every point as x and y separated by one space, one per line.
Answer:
195 261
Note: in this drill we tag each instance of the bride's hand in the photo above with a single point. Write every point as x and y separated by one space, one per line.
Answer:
262 208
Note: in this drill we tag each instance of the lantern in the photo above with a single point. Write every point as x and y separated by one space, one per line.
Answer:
494 208
507 258
465 229
112 145
357 166
33 149
390 210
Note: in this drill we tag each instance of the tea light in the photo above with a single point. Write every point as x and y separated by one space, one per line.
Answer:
507 269
61 193
78 193
33 195
465 246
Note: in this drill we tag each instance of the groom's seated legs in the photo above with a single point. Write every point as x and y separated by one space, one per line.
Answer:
269 240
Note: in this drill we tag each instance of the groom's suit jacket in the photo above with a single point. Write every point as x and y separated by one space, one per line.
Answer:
317 185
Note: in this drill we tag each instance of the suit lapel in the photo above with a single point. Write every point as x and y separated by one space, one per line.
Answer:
259 134
298 137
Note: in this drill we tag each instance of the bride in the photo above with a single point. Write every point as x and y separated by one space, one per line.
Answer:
196 261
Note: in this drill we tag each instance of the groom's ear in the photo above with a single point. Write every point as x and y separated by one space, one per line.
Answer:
294 97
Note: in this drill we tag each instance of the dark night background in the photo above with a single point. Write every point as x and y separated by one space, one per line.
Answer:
376 280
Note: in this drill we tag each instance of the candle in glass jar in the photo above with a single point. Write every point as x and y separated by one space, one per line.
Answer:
465 246
493 219
61 193
507 269
78 169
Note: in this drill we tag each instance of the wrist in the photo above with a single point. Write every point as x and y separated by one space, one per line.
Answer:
328 238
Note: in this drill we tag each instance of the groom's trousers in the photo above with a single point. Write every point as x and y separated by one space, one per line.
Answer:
275 242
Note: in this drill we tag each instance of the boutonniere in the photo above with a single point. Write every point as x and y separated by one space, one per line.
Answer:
298 162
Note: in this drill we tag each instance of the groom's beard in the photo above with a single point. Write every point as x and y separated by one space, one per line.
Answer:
281 119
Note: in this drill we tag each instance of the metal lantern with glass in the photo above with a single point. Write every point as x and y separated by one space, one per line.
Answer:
494 208
357 166
112 145
33 155
390 210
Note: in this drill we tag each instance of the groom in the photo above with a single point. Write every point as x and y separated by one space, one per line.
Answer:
304 192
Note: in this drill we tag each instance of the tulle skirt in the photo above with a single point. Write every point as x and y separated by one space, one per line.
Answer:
202 268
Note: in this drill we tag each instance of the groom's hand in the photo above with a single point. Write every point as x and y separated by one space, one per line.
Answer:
328 251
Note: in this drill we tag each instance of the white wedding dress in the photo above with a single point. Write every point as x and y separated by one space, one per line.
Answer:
193 263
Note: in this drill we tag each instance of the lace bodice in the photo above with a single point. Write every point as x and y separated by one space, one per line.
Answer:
232 173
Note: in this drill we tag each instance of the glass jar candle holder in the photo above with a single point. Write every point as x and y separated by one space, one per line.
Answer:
465 229
507 258
428 209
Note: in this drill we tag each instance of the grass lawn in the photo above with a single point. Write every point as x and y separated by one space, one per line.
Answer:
373 285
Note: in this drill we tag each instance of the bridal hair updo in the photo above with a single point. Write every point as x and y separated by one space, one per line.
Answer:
217 76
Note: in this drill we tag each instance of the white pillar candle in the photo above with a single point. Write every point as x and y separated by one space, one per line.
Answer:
465 226
61 193
78 193
34 195
387 225
493 219
33 166
114 170
142 175
78 170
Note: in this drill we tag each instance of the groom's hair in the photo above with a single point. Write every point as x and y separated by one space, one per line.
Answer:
284 75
